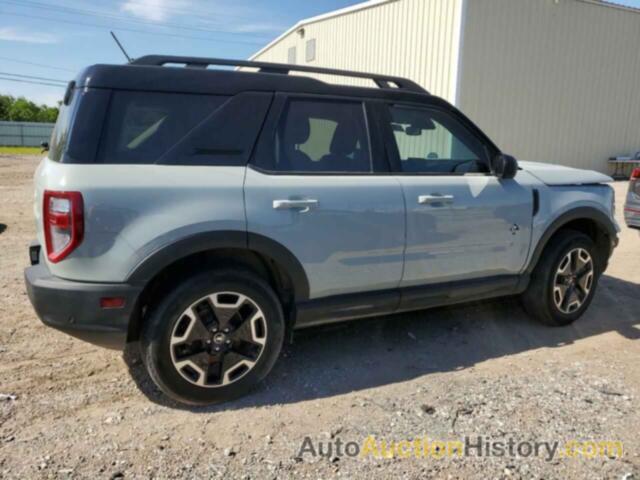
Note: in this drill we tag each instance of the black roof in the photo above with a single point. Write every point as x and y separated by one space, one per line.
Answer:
158 73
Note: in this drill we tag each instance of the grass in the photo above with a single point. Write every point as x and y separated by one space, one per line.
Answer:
20 150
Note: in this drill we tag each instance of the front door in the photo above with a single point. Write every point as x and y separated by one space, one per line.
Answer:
316 186
463 222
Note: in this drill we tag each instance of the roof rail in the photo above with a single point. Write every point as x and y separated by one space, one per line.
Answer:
382 81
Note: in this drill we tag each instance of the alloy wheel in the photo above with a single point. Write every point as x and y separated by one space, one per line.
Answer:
573 280
218 339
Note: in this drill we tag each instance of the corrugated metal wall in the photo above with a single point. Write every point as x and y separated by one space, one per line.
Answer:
553 81
24 134
410 38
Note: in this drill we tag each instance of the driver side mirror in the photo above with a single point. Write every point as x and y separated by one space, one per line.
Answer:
505 166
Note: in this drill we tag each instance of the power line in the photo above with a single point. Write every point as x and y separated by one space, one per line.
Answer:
63 82
95 13
125 29
36 64
31 82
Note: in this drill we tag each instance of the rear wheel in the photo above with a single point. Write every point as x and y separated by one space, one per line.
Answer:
214 337
564 281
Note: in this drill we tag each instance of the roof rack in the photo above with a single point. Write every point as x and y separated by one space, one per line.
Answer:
382 81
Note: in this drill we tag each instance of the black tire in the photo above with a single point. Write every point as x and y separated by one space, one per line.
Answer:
538 300
159 328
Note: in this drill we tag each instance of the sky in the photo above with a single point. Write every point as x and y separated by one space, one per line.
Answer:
50 41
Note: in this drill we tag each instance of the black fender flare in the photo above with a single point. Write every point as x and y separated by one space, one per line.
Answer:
603 222
157 261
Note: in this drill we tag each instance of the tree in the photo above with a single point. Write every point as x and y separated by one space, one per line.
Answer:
5 102
47 114
23 110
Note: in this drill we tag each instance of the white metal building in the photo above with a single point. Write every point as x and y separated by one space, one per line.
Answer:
548 80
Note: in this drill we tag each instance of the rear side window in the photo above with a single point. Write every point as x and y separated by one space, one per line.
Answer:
323 136
60 135
142 126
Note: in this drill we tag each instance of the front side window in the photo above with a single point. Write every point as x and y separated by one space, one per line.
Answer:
142 126
322 136
431 141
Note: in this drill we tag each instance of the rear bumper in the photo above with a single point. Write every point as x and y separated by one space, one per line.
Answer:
74 307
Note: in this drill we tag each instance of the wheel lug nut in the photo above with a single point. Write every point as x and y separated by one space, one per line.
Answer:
228 342
217 349
226 330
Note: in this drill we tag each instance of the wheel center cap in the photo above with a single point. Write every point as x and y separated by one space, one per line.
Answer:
219 338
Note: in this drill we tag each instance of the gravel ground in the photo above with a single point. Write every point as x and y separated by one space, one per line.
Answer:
71 410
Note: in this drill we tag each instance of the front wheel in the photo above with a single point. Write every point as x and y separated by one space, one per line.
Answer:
564 281
214 337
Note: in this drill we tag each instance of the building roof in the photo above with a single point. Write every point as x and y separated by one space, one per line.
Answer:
374 3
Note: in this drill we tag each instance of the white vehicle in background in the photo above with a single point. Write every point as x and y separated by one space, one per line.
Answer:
632 205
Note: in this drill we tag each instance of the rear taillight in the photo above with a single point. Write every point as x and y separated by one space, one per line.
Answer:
63 217
634 184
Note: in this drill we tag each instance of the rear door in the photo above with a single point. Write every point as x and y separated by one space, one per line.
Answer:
463 222
319 184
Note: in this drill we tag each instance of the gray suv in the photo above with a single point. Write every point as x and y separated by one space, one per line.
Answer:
208 213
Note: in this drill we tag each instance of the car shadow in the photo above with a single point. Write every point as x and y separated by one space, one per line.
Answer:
346 357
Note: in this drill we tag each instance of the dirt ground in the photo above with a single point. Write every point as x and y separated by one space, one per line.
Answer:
477 370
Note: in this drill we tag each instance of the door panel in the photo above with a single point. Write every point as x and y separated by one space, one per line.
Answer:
349 236
462 222
472 233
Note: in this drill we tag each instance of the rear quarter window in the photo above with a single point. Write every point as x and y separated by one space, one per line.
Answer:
140 127
62 130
